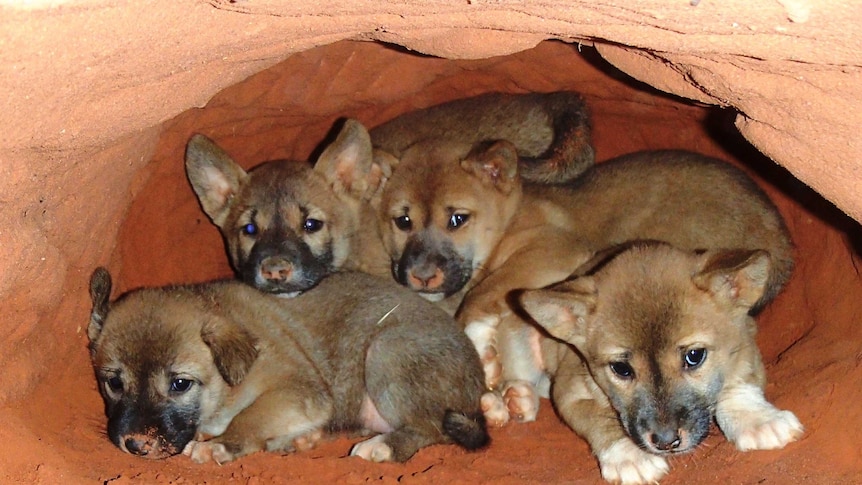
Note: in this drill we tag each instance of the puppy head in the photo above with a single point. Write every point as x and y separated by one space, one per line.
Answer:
661 331
445 209
163 364
286 225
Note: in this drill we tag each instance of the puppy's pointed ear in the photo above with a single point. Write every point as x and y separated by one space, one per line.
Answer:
214 176
349 165
234 350
563 309
737 277
495 164
100 294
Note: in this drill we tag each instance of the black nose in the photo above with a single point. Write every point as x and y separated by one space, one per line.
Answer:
666 440
137 446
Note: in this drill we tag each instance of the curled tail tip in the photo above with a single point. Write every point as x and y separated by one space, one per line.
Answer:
570 154
469 430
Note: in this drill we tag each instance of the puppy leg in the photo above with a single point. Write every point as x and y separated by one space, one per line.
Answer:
523 368
531 267
483 334
585 408
748 420
277 421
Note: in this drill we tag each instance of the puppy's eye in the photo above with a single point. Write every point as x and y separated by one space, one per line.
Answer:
403 223
115 384
249 229
312 225
458 220
623 370
693 358
179 386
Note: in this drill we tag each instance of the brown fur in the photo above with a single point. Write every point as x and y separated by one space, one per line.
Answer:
661 343
177 365
550 131
515 236
287 225
445 206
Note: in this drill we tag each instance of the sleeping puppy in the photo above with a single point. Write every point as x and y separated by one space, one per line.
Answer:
661 343
220 370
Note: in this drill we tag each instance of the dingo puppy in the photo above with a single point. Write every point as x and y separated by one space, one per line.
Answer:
177 365
456 218
662 343
287 225
551 131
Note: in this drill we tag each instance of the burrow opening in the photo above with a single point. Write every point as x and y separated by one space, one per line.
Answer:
286 112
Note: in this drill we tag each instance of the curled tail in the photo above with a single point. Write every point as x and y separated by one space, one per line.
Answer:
466 429
571 151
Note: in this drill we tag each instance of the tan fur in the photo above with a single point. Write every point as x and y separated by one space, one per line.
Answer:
287 225
307 222
538 235
551 131
644 313
254 372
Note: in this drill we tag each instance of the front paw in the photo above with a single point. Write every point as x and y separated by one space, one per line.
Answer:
624 462
207 451
375 449
768 432
522 401
752 423
483 334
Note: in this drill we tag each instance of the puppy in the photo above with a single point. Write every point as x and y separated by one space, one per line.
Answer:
551 131
177 365
287 225
662 342
456 219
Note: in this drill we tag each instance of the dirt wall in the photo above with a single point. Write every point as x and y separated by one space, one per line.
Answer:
101 98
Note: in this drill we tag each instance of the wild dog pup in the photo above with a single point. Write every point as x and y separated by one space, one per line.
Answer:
663 343
222 360
285 224
455 218
551 131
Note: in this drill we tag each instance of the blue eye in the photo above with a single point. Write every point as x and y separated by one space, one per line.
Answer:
312 225
179 386
249 229
458 220
693 358
403 223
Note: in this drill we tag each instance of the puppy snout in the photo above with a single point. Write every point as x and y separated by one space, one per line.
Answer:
276 269
427 278
666 440
139 444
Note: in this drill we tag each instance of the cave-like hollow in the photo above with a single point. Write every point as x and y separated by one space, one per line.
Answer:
808 335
